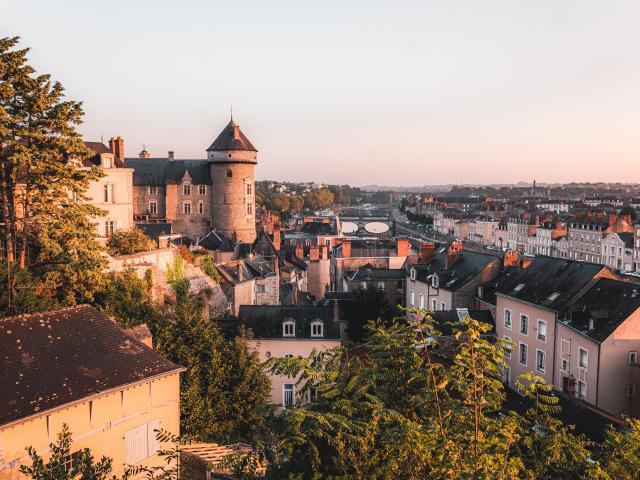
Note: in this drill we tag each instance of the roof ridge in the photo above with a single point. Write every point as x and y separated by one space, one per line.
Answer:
48 312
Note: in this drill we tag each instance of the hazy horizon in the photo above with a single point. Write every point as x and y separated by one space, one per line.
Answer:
360 93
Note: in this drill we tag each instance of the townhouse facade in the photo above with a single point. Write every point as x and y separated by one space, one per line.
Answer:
617 251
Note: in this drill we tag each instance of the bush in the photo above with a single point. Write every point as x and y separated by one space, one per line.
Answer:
126 242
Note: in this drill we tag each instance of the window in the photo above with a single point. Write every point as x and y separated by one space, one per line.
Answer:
109 228
540 361
249 188
581 392
260 288
289 329
141 442
443 306
106 162
412 298
507 349
153 208
434 304
152 190
633 358
229 173
202 189
108 193
412 274
70 461
186 189
288 355
631 390
507 319
381 286
186 207
249 208
583 357
524 324
200 207
522 355
565 346
542 330
287 395
317 329
435 281
421 300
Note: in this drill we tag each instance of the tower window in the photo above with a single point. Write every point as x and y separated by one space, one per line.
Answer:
202 189
200 207
186 189
229 173
186 207
249 188
249 208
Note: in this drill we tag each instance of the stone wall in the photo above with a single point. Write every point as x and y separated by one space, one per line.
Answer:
231 200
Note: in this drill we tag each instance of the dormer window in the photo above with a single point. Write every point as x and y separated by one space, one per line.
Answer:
435 281
317 329
107 162
412 274
289 329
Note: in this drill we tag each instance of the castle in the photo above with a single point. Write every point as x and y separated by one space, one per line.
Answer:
195 196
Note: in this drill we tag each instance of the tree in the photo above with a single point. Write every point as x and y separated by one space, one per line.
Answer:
279 203
126 242
619 454
23 293
224 386
58 467
47 227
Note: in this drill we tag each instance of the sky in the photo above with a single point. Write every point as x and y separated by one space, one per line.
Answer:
360 92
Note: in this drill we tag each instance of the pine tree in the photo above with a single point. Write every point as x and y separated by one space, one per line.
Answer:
47 227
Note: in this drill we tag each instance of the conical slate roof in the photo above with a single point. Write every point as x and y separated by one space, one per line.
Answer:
231 138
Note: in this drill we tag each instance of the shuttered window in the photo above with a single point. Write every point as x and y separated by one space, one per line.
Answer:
141 443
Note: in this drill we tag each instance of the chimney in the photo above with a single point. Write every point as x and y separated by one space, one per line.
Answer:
117 147
613 218
276 265
170 155
627 218
336 310
402 247
236 132
314 253
453 254
511 259
526 261
427 252
239 271
346 249
299 251
276 236
144 153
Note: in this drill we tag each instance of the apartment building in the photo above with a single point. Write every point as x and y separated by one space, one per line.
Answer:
527 307
482 230
389 281
446 277
587 231
617 251
280 331
77 367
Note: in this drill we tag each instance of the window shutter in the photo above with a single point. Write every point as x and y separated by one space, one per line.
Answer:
154 444
135 441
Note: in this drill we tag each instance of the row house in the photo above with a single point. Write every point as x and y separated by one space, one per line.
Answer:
636 249
389 281
482 230
544 241
585 238
77 367
568 321
617 251
446 277
518 232
288 331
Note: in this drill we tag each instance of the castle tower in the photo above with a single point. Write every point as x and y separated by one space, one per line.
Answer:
232 159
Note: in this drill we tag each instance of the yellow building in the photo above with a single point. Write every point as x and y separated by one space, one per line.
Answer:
76 366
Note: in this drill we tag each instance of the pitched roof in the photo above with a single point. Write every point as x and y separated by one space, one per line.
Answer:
468 266
550 283
155 230
54 358
231 138
266 321
607 303
368 272
98 148
444 318
162 171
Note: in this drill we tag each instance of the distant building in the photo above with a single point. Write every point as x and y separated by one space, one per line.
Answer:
617 251
77 367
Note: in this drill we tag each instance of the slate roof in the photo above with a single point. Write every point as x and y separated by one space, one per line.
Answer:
368 272
155 230
265 321
444 318
162 171
318 228
550 283
255 267
608 302
627 238
215 240
466 268
98 148
226 141
54 358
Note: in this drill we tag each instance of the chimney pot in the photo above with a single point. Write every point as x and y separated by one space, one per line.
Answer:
170 154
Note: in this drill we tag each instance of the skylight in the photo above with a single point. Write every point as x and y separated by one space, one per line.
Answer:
519 287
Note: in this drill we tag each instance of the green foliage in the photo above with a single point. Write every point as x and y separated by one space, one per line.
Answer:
83 467
47 228
619 455
320 198
169 469
224 384
208 267
126 242
28 295
128 299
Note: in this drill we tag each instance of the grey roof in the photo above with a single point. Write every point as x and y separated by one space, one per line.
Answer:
627 238
55 358
99 148
444 318
228 141
467 267
608 303
266 321
215 240
368 272
155 230
548 282
162 171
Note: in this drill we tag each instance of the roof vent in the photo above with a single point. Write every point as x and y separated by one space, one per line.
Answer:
634 293
590 324
519 287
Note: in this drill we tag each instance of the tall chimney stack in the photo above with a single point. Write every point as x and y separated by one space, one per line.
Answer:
117 148
170 155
